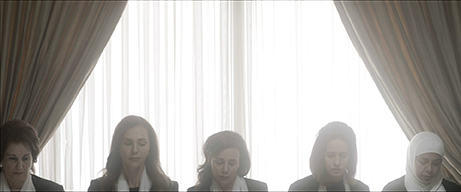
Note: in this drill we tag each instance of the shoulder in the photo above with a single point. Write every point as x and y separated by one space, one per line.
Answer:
360 186
308 183
41 184
174 186
95 185
194 188
191 188
450 186
254 185
396 185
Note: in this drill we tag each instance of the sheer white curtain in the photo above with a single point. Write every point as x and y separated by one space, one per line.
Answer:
275 72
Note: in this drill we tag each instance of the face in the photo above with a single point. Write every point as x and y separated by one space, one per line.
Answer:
225 166
16 164
135 148
336 159
427 166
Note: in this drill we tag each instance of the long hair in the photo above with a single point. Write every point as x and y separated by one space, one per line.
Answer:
114 161
332 131
214 145
19 131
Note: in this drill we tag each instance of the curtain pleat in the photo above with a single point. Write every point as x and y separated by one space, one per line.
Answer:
182 78
48 51
412 51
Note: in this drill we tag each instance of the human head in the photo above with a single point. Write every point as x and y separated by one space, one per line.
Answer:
424 160
222 144
340 140
128 130
19 150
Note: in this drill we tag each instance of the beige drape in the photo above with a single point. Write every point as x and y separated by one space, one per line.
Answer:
48 50
413 53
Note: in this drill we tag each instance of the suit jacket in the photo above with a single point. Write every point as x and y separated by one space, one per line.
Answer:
310 183
41 184
252 185
399 185
95 185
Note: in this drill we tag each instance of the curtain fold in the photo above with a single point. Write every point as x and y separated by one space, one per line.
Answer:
412 51
48 50
174 63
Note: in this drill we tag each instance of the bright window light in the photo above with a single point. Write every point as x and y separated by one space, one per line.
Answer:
299 71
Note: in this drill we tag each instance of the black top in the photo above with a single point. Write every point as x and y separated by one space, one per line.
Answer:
95 185
41 184
136 189
399 185
310 183
253 185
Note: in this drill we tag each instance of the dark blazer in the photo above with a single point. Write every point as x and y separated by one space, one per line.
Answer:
41 184
252 185
399 185
95 185
310 183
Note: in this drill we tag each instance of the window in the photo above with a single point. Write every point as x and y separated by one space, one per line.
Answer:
276 72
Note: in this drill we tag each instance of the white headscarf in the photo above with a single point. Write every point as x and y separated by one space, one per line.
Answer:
421 143
145 183
27 186
239 185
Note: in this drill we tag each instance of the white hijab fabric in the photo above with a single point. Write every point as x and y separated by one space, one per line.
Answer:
28 185
239 185
145 185
421 143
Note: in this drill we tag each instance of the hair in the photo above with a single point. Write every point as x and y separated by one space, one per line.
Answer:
332 131
114 161
19 131
215 144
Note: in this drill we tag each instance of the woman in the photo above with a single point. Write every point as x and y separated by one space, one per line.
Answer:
333 162
19 150
133 163
424 160
227 161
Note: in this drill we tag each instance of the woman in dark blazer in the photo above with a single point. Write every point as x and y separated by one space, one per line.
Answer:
133 163
19 150
424 160
333 162
227 161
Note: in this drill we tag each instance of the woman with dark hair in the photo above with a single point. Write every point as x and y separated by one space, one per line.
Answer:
133 163
424 160
333 162
227 161
19 152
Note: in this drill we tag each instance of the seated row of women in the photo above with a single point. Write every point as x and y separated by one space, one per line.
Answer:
134 165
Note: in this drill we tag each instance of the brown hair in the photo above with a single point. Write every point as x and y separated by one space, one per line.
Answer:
19 131
114 161
331 131
214 145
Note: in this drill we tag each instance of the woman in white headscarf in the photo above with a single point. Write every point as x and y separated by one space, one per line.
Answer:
424 160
